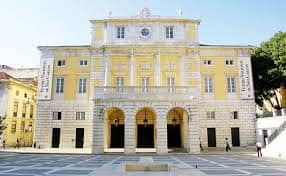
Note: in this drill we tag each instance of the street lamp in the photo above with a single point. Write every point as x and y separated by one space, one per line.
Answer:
145 121
174 121
116 121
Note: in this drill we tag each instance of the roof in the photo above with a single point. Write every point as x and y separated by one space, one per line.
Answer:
63 46
227 46
4 75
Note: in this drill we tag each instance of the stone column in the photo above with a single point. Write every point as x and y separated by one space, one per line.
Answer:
97 142
106 66
161 123
194 132
129 133
132 69
158 70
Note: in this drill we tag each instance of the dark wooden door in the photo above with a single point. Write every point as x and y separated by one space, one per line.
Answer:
211 137
174 136
235 137
145 136
79 139
117 136
56 137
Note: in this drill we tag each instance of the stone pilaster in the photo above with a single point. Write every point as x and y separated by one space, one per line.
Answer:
158 70
106 69
132 69
194 132
97 147
182 70
162 147
129 133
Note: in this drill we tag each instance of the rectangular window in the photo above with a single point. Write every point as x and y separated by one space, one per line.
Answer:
83 62
120 32
15 109
24 107
145 84
82 86
31 111
170 32
119 84
80 115
61 63
208 85
22 128
57 115
229 62
171 84
211 115
234 114
207 62
231 85
13 127
60 85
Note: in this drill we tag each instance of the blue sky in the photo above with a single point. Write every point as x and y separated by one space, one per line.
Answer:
26 24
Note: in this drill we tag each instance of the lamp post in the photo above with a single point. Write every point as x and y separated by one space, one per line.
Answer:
145 121
174 121
116 121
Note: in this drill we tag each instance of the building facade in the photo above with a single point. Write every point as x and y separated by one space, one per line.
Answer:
145 82
18 106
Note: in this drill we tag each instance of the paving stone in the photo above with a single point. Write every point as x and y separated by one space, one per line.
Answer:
221 172
72 172
29 171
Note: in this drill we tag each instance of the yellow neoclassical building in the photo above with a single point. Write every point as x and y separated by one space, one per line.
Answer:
18 105
145 83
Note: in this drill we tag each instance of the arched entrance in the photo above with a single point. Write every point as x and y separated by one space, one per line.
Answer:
177 129
146 122
113 128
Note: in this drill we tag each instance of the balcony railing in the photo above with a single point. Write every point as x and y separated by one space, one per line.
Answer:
132 92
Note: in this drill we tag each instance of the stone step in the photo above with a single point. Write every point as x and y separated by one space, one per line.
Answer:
152 167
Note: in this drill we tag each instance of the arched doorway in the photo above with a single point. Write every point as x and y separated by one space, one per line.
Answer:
146 122
114 128
177 129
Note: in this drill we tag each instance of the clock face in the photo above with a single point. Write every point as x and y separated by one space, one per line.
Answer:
145 32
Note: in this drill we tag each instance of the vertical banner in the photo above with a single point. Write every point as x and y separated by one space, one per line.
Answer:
45 79
245 78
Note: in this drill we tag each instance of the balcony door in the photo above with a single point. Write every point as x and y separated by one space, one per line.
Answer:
119 84
171 84
145 82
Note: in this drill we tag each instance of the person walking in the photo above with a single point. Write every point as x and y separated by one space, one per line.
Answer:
4 143
201 146
17 143
258 148
227 146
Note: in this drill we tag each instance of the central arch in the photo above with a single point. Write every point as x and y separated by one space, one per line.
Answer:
145 128
177 129
113 128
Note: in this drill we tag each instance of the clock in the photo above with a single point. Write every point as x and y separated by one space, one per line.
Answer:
145 32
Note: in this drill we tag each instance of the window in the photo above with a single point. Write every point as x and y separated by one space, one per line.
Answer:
22 129
171 84
82 86
15 109
145 84
229 62
208 85
25 95
207 62
170 32
13 127
211 115
80 115
57 115
30 128
231 87
120 32
119 84
31 111
83 62
61 63
234 114
24 108
60 85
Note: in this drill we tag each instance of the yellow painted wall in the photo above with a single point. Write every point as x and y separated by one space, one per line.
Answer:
192 33
25 136
99 34
167 72
144 72
119 67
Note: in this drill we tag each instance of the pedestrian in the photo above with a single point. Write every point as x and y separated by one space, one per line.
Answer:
17 143
201 146
35 144
4 143
258 148
227 146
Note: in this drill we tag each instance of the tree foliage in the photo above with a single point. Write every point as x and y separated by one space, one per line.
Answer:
269 69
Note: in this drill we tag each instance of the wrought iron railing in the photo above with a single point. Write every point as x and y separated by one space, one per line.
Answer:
137 92
276 133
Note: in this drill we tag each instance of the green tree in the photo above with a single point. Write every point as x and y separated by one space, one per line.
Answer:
269 69
2 124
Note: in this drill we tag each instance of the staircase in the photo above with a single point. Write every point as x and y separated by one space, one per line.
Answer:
277 132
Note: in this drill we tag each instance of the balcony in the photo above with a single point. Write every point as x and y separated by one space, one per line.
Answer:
145 93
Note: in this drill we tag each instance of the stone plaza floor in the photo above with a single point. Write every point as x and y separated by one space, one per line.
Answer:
12 164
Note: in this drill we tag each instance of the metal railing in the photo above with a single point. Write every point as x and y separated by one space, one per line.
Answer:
276 133
137 92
